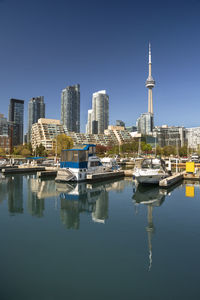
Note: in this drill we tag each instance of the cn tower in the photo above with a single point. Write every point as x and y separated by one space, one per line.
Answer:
150 83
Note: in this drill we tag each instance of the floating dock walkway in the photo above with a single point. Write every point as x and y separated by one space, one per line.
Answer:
45 174
105 176
22 170
171 180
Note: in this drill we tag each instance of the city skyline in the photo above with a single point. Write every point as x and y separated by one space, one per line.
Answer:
118 63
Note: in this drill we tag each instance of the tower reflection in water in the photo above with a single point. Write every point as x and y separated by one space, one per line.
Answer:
79 198
15 194
152 197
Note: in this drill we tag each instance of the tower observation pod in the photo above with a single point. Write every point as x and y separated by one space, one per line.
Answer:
150 83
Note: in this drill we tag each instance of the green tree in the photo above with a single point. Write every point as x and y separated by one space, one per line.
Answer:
168 150
29 147
40 150
25 152
159 151
2 152
146 147
62 141
17 150
183 151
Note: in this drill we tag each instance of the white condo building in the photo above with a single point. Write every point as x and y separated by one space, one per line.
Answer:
98 117
89 123
193 137
44 132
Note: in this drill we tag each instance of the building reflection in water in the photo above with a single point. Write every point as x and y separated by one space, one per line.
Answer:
3 187
80 198
152 197
74 199
15 194
38 190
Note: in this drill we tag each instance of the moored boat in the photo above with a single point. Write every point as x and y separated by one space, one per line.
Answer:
78 162
152 170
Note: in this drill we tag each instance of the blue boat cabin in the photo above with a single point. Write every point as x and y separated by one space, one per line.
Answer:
77 157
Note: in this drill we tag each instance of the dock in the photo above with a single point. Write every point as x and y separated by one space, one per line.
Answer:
8 167
22 170
45 174
104 176
171 180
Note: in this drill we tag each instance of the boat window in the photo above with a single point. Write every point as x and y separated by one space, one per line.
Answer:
82 156
146 164
94 163
66 156
156 164
75 156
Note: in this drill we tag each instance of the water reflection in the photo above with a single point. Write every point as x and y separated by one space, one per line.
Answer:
15 195
152 197
71 199
79 198
3 188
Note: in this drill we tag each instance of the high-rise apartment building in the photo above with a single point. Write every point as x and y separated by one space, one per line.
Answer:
100 110
70 108
145 123
36 110
120 123
170 135
4 133
16 118
193 137
89 123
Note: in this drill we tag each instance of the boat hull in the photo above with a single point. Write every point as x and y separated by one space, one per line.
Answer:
149 179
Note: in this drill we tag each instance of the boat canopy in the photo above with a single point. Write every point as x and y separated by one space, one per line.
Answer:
153 163
77 157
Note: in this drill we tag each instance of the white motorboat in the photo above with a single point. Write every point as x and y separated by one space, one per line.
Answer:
110 163
152 170
3 162
78 162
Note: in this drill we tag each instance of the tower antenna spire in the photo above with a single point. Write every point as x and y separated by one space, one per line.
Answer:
149 53
150 83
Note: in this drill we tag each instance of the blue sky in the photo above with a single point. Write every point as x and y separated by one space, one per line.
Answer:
48 45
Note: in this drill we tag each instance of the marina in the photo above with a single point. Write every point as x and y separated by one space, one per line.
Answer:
50 228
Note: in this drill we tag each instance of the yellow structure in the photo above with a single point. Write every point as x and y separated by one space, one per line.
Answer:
190 167
189 191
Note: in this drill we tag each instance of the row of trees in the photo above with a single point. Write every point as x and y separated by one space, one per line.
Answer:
127 148
172 150
61 142
133 147
64 142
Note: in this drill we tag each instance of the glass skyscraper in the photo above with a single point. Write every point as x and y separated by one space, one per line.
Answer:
16 119
100 110
145 123
36 110
70 108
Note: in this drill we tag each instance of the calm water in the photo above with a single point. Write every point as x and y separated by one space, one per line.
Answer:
100 241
